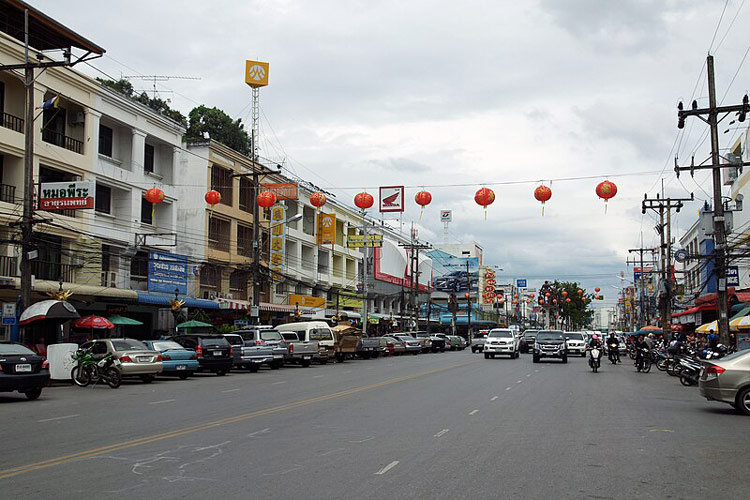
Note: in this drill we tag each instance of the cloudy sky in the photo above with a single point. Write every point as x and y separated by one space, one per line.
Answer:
451 96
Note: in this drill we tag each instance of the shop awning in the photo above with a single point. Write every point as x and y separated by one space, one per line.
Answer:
164 300
693 310
265 306
44 286
234 305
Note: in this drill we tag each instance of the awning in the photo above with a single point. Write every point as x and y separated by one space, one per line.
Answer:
164 300
265 306
235 305
693 310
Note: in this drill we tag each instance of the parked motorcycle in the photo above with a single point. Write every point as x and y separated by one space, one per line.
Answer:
87 369
690 371
595 358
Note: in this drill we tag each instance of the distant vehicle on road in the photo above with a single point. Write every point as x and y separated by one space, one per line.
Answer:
411 345
550 344
576 343
249 355
214 352
527 340
477 343
262 336
727 380
23 370
136 359
457 343
318 332
502 341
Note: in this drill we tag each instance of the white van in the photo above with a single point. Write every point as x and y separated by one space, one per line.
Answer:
314 331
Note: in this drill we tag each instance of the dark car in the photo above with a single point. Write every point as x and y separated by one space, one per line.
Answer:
550 344
528 339
455 282
22 370
214 351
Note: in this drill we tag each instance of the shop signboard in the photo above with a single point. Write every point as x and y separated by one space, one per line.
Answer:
9 309
733 276
307 301
167 272
449 274
521 283
278 241
256 73
352 302
326 234
359 241
72 195
392 198
646 273
283 191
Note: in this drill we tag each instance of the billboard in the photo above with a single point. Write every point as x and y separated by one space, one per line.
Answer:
326 234
392 198
167 272
450 274
256 73
278 241
71 195
283 191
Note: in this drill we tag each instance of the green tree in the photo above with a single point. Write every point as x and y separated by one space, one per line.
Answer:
576 312
219 126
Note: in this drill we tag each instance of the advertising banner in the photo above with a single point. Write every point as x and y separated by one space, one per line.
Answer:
278 241
167 272
451 275
646 273
307 301
359 241
67 195
326 231
283 191
392 198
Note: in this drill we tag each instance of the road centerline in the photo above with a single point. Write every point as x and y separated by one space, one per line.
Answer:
387 468
58 418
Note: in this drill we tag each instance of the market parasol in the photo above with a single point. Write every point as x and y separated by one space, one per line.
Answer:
57 310
93 322
650 328
743 322
708 327
118 320
194 324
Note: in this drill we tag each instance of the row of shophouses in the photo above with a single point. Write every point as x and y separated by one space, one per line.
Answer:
108 257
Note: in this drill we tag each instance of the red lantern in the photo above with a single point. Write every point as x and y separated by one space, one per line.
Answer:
565 293
155 195
515 302
318 199
543 193
364 200
554 301
266 199
532 295
212 198
515 295
546 294
423 198
580 292
606 190
597 289
467 295
502 302
567 300
484 197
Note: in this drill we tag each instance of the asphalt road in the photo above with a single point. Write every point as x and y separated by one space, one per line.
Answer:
450 425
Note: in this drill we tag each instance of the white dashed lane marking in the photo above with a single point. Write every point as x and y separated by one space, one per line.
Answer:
473 412
441 433
387 468
494 398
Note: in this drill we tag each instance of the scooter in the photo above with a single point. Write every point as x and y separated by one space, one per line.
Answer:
691 370
594 358
613 353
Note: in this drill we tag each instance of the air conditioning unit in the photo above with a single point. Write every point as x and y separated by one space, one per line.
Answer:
77 118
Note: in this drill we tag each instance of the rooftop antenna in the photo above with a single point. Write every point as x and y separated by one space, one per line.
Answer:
160 78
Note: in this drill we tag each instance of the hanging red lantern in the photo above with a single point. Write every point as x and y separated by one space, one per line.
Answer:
515 302
423 198
541 302
606 190
554 301
597 289
318 199
515 295
364 200
154 195
547 294
532 295
266 199
485 197
567 300
580 292
212 198
543 193
564 293
502 301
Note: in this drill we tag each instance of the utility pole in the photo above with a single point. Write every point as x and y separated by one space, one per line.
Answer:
644 308
468 303
412 249
664 206
712 119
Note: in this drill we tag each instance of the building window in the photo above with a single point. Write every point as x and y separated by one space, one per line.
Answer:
148 159
105 141
103 199
147 211
281 288
221 181
247 204
218 233
139 266
210 276
238 283
244 240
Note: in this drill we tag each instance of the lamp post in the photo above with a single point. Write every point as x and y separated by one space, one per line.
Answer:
468 312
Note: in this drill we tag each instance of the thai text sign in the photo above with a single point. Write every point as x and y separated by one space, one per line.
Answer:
326 234
283 191
167 272
306 301
66 195
278 241
359 241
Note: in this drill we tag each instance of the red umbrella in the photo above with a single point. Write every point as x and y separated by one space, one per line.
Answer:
95 322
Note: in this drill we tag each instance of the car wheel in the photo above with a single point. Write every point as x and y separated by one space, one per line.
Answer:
415 353
275 365
33 394
305 363
375 355
565 359
253 368
536 358
221 373
147 379
743 401
486 356
583 354
323 361
183 375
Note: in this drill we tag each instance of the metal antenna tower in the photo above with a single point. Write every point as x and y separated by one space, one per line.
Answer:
160 78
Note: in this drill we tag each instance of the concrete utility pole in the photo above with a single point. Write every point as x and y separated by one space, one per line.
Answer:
412 250
664 206
712 119
644 309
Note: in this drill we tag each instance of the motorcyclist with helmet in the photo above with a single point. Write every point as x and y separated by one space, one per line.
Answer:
641 348
595 343
613 348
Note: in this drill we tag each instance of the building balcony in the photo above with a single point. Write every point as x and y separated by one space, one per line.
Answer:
45 270
8 266
62 141
12 122
8 193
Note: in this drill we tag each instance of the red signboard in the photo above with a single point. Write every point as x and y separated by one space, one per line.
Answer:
282 191
71 195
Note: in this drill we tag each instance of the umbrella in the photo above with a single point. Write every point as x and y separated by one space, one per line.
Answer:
708 327
739 323
94 322
194 324
122 320
49 309
650 328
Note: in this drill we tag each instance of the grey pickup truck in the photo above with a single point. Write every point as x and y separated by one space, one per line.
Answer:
247 356
369 347
267 337
300 352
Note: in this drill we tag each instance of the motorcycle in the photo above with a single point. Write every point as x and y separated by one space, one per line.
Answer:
643 361
691 370
594 358
613 353
87 369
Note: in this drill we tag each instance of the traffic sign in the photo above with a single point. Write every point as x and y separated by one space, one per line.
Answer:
446 215
9 309
9 321
733 276
521 283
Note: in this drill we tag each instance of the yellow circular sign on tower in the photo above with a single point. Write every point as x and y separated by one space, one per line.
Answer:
256 73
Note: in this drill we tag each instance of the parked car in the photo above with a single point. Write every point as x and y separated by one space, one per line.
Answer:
727 380
411 345
457 343
270 338
425 339
576 343
477 343
502 341
386 346
175 359
214 351
369 347
399 346
22 370
136 359
550 344
527 340
248 355
299 351
314 331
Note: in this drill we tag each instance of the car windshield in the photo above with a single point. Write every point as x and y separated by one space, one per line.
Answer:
530 333
320 334
15 349
550 336
128 344
501 333
166 345
574 336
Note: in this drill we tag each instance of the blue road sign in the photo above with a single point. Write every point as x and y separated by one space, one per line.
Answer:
521 283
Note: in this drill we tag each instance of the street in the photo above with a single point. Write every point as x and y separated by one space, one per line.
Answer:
451 425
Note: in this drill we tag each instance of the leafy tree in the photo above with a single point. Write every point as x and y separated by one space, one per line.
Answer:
219 126
576 311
